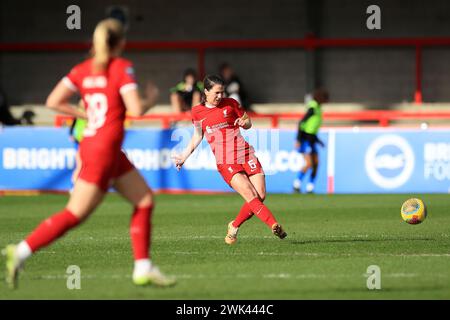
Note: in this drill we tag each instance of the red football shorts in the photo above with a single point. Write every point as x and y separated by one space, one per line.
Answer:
251 167
102 170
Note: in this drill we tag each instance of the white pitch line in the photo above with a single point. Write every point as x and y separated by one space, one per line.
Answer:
304 238
315 254
242 276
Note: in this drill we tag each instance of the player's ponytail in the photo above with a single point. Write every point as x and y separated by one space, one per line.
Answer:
208 82
107 36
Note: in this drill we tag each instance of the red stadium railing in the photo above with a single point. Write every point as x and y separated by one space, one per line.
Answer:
307 43
382 118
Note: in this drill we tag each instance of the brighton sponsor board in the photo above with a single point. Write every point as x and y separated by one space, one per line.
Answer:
392 161
44 158
353 161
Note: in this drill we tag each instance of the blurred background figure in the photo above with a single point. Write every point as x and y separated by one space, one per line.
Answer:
186 93
233 86
119 13
307 139
76 135
7 118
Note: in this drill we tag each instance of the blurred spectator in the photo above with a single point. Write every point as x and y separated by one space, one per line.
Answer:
233 86
76 135
119 13
186 93
6 116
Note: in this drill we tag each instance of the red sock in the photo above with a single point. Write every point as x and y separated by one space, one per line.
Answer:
140 230
245 214
51 229
262 212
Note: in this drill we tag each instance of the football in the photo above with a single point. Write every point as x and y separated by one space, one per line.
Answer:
413 211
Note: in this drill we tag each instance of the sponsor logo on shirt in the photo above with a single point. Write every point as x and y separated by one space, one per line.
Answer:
130 71
212 129
94 82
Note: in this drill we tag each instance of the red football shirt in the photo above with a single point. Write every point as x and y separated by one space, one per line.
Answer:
224 137
101 94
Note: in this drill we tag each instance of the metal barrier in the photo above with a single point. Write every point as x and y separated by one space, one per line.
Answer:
382 118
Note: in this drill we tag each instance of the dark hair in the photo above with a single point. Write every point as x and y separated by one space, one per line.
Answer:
189 72
210 81
321 95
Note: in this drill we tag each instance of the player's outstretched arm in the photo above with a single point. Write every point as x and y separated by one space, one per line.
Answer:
58 100
197 137
134 104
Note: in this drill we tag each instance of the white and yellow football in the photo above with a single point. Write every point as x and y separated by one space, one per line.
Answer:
413 211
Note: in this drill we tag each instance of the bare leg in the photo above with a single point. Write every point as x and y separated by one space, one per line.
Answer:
133 187
315 164
259 182
76 172
308 162
241 183
314 167
84 199
298 181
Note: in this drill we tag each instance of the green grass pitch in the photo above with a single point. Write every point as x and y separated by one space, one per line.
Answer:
332 239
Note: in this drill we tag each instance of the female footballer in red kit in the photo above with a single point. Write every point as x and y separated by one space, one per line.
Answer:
220 119
107 86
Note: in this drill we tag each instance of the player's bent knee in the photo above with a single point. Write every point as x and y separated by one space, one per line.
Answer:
80 214
147 200
250 194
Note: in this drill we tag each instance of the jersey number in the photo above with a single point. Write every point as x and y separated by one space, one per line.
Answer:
252 164
97 106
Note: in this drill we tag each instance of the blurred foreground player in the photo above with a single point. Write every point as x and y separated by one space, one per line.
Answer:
108 89
220 119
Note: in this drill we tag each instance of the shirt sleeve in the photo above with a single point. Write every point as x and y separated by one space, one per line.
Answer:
179 87
127 80
194 117
197 124
72 79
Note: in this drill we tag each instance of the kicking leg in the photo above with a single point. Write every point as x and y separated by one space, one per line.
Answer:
259 182
241 183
